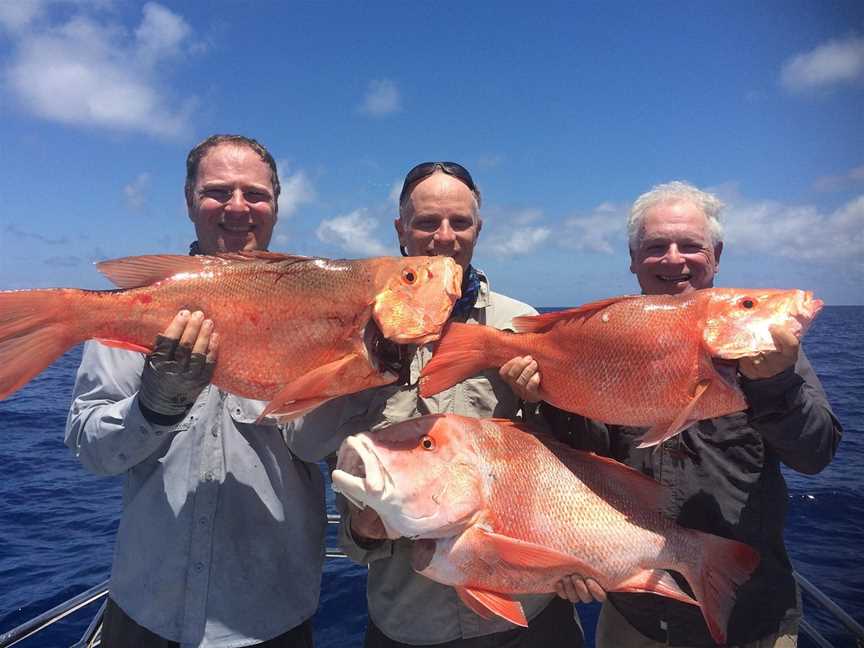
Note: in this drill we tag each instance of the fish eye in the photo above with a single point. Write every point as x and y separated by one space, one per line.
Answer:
409 276
747 302
427 443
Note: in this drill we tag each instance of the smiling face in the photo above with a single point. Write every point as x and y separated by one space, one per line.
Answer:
440 219
675 254
232 202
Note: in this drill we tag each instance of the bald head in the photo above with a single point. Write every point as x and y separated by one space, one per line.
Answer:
440 217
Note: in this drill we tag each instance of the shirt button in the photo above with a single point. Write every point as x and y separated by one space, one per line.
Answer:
214 432
202 520
199 566
208 476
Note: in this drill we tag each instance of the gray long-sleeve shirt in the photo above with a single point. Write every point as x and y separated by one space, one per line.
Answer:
406 606
221 539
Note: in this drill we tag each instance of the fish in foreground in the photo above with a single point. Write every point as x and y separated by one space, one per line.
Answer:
497 511
294 331
660 362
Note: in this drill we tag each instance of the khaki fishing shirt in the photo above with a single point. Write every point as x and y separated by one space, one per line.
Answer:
221 539
406 606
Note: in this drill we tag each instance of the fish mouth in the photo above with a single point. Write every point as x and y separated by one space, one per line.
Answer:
386 357
727 370
360 476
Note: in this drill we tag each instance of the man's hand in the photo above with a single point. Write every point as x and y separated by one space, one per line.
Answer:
366 524
523 376
576 589
180 365
772 363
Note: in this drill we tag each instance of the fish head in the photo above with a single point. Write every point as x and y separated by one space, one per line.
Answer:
421 476
738 322
414 297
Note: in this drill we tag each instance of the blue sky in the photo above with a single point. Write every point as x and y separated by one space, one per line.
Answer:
564 113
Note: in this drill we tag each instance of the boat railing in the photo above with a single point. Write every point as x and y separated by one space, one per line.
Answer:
91 637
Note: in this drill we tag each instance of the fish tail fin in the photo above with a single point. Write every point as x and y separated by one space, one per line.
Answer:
726 565
464 351
36 328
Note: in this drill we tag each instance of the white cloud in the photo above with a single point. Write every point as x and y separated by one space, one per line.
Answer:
93 73
353 232
798 231
393 196
513 233
490 161
160 34
836 61
382 98
136 191
836 182
603 230
297 189
515 241
17 15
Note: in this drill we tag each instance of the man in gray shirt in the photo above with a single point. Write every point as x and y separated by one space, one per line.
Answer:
438 215
221 539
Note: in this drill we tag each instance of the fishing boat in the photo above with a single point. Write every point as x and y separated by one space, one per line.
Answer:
99 594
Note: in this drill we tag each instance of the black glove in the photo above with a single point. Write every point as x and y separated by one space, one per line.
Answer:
173 378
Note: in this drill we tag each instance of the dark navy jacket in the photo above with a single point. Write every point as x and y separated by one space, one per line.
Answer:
724 478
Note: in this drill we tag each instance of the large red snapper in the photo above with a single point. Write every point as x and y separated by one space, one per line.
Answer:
497 511
659 362
294 331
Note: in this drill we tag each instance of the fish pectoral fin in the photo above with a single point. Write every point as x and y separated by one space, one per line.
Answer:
655 581
307 392
661 431
526 554
295 409
500 604
128 346
473 604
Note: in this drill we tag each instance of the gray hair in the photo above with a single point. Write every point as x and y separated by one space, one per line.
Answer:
673 192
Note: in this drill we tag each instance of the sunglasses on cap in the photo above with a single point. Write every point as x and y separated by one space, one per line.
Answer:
426 169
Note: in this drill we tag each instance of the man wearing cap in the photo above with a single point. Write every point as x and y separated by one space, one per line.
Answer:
438 215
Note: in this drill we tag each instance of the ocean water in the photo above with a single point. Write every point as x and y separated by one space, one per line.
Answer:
57 522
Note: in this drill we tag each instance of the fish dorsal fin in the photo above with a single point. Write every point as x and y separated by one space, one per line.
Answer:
541 323
520 553
264 256
138 271
500 604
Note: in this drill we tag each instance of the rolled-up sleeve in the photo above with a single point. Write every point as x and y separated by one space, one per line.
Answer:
791 412
105 427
